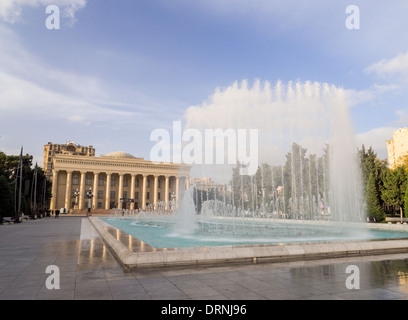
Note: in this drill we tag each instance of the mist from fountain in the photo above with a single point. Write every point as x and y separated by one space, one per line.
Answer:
309 173
307 184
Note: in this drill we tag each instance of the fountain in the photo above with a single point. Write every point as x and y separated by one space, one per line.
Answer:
306 189
294 194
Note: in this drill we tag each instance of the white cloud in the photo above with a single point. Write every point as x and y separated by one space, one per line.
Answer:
402 118
30 86
376 138
79 119
397 66
11 10
19 96
53 104
357 97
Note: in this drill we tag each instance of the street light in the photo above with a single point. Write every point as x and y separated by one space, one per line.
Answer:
89 194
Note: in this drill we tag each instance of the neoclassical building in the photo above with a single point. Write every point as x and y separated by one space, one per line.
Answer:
117 180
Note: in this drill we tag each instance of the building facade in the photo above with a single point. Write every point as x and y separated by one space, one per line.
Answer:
397 147
116 180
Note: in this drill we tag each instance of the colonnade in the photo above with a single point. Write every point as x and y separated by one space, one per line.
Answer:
113 189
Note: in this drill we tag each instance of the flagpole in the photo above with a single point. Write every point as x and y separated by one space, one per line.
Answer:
21 180
15 189
35 189
44 199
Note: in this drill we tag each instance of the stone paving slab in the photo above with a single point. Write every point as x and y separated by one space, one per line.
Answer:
89 271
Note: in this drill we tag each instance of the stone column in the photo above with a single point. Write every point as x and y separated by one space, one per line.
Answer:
120 192
107 195
82 191
95 190
166 192
177 192
144 192
68 190
155 192
54 189
132 191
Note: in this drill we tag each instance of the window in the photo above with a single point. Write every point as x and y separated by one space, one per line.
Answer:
125 181
137 182
158 183
148 182
112 194
99 205
136 195
75 179
113 181
101 181
124 194
169 183
88 180
147 195
100 194
158 195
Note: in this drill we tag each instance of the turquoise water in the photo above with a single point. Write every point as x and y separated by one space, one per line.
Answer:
164 235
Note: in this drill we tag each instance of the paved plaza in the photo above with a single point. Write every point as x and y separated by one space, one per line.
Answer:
88 270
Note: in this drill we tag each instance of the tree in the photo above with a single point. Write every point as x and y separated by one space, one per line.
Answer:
372 198
394 188
6 198
403 160
9 169
370 164
406 197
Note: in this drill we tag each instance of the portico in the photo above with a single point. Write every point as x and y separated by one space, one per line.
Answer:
117 180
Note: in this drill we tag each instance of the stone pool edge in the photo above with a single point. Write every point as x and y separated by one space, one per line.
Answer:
244 254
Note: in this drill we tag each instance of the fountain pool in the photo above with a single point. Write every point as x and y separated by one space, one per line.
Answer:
219 232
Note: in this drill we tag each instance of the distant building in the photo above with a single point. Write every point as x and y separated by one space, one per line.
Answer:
206 184
397 147
70 148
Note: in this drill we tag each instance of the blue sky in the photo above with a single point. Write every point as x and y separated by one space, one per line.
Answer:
117 70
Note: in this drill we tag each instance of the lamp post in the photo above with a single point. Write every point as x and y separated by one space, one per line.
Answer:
89 195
